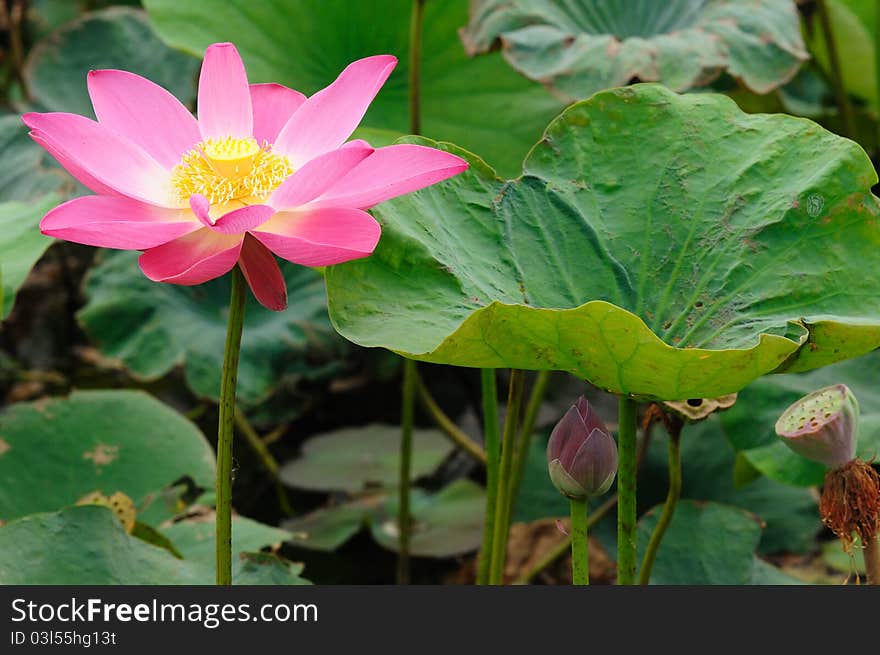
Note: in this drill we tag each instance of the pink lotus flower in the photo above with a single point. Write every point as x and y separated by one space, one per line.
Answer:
263 170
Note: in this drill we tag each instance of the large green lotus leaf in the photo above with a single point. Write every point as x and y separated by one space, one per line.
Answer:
119 37
480 103
790 516
88 546
154 327
196 538
55 451
27 172
21 245
328 528
583 46
659 245
749 425
706 544
354 459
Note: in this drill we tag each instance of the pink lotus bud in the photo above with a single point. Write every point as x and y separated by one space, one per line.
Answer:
581 454
822 426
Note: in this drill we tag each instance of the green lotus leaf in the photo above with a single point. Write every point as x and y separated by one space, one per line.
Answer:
306 43
445 524
53 452
118 37
27 172
706 544
580 47
657 245
87 546
749 425
21 245
790 516
355 459
196 538
151 328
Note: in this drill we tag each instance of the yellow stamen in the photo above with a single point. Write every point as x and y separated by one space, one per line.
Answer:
224 170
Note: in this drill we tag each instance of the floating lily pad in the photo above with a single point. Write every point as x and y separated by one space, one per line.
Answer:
354 459
87 545
706 544
445 524
578 48
329 528
152 327
305 44
21 245
659 245
53 452
196 538
749 425
118 37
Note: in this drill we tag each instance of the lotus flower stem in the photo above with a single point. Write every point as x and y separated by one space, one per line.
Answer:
580 546
675 426
448 426
872 560
536 397
564 546
493 462
404 523
626 491
837 81
225 427
502 502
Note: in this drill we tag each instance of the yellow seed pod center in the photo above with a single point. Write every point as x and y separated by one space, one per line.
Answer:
231 158
229 169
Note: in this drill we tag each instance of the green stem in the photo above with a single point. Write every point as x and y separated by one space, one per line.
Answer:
448 426
502 502
415 65
672 497
225 428
846 117
580 547
404 523
539 389
565 545
626 491
493 462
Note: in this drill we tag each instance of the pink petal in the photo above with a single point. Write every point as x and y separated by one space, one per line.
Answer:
236 221
273 105
389 172
105 156
320 237
263 275
192 259
116 222
144 112
224 97
73 168
328 118
318 175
